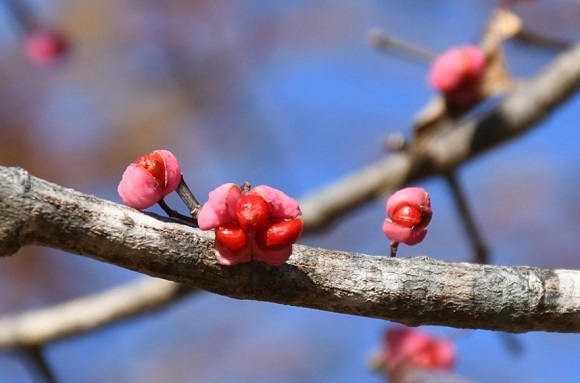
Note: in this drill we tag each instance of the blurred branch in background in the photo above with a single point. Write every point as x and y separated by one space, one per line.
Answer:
448 145
38 327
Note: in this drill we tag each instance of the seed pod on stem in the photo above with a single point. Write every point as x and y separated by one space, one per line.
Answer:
251 224
150 178
409 212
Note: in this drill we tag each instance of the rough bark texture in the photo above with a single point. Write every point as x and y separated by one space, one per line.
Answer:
412 291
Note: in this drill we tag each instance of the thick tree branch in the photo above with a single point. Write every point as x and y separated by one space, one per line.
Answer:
447 146
412 291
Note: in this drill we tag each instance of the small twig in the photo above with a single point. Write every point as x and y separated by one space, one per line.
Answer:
530 37
394 248
22 15
37 359
475 238
175 214
380 40
188 198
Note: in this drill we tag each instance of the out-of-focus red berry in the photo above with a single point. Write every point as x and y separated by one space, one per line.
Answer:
457 74
408 348
46 47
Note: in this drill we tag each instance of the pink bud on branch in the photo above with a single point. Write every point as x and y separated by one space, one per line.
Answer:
150 178
251 224
409 212
408 348
457 74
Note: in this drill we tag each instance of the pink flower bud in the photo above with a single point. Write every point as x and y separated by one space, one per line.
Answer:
257 224
409 348
150 178
457 74
46 47
409 212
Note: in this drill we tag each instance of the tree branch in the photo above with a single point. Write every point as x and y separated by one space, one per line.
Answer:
41 326
449 145
412 291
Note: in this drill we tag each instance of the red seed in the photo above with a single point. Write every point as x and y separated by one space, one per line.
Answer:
407 216
155 165
281 233
232 236
252 212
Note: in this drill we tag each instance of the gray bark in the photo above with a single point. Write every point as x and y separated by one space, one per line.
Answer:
413 291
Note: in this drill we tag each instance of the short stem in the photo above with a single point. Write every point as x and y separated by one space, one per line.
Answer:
394 248
39 362
475 238
172 213
188 198
380 40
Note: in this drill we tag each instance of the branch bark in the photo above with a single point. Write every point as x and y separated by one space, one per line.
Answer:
413 291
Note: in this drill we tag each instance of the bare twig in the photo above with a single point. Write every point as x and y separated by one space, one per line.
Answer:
380 40
480 251
36 358
188 198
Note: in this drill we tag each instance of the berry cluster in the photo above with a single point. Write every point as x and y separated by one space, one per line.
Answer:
259 223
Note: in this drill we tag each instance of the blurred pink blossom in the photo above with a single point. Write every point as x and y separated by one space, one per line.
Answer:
150 178
457 74
46 47
409 212
408 348
257 224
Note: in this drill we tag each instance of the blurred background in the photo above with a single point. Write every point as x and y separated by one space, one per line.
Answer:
290 94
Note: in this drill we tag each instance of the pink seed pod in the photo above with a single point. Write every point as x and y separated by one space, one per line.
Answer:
408 348
150 178
409 212
258 224
46 47
457 75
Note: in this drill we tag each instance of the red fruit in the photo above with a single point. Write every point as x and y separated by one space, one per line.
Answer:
155 165
281 233
232 236
252 212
